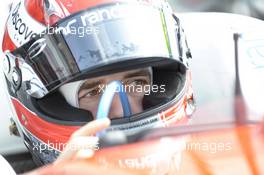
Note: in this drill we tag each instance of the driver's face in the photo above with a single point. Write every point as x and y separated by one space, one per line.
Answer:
91 90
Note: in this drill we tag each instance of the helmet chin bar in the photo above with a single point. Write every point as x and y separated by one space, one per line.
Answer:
107 98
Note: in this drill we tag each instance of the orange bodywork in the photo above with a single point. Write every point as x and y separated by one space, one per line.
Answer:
237 150
240 151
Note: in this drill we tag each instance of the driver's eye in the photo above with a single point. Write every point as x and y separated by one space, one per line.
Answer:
93 92
136 86
137 82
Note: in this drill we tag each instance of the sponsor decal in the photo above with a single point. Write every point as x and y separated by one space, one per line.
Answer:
98 16
160 163
93 17
165 158
21 26
136 126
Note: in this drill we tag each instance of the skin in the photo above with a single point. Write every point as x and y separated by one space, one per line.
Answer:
92 89
84 137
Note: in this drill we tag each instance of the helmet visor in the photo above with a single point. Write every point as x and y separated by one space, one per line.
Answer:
94 38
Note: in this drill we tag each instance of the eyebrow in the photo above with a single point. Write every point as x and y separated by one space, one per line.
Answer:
143 72
89 85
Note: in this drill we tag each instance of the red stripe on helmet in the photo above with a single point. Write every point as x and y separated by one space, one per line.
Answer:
47 132
7 42
35 10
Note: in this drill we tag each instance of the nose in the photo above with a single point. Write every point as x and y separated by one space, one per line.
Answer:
109 106
116 110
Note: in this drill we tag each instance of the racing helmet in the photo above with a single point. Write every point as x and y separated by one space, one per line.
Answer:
49 44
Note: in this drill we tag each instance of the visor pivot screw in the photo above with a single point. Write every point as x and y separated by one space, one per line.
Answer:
16 78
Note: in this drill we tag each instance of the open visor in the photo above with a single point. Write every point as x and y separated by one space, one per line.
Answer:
85 42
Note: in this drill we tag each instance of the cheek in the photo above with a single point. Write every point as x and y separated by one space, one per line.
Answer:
136 104
89 105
